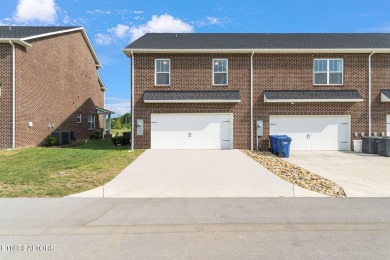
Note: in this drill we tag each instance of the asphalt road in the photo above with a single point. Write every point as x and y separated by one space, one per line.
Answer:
215 228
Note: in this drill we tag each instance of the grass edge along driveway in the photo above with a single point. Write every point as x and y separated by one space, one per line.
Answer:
34 172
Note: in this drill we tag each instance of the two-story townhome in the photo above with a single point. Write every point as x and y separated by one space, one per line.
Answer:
48 82
225 91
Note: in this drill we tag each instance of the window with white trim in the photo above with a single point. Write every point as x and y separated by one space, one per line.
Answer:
220 72
91 121
162 68
328 71
79 117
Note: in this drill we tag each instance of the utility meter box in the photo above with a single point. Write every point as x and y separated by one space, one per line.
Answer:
140 127
259 128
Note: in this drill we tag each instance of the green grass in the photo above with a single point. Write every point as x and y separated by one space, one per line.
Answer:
119 131
33 172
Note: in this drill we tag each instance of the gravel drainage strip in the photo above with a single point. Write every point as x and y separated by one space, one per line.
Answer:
296 175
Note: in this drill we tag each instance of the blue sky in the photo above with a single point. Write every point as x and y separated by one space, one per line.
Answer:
112 24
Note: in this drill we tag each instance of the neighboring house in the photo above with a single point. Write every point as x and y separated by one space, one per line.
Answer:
218 91
49 82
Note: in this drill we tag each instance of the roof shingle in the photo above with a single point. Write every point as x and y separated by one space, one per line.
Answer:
224 41
20 32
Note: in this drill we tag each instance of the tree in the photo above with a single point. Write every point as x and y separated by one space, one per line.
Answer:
117 124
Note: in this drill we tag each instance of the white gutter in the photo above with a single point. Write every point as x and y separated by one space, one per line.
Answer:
369 93
132 100
17 41
193 101
129 51
13 97
252 101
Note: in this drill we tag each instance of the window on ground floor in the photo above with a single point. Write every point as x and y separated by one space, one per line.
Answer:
91 121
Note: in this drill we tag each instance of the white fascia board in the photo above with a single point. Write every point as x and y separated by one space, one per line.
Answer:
309 100
384 98
98 65
102 86
249 51
193 101
20 42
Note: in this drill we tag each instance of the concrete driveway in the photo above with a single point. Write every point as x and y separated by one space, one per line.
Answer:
196 173
361 175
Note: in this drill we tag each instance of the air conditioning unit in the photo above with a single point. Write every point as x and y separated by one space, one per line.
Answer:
62 137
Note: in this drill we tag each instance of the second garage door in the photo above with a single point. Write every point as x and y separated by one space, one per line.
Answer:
191 131
314 133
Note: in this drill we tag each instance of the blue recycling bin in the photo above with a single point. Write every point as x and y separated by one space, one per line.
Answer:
273 140
284 146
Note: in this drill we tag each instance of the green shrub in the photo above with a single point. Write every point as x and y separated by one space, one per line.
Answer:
51 140
121 140
98 134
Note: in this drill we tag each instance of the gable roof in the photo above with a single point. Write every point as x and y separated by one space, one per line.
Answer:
21 34
266 42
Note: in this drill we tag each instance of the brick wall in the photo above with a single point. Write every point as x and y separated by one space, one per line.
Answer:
271 72
194 72
6 96
55 79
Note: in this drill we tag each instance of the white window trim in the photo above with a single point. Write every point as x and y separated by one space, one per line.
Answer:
155 73
94 121
328 72
79 118
227 72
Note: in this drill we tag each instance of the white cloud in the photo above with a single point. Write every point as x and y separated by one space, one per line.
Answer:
120 106
99 11
138 12
44 11
209 20
161 24
103 39
120 31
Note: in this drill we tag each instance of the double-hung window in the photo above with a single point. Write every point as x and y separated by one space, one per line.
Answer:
162 68
91 121
328 72
79 117
220 72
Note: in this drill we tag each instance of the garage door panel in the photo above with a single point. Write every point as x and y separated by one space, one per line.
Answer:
191 131
313 132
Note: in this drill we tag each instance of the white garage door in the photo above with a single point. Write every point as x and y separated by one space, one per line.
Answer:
191 131
314 133
388 125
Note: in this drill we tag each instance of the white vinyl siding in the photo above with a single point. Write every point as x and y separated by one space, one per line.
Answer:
220 72
162 70
91 122
328 71
192 131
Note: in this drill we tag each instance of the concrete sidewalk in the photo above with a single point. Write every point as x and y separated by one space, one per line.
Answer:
196 173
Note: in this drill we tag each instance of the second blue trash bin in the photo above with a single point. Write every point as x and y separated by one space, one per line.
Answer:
273 139
283 146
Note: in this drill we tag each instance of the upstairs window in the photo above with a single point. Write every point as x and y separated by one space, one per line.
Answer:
328 72
79 117
162 72
91 122
220 72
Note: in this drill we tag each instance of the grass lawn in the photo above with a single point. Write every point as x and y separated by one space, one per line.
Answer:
33 172
119 131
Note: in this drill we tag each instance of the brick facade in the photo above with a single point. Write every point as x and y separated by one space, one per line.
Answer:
5 96
271 72
55 79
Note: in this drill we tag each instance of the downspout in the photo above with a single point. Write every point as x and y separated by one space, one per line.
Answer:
369 93
132 100
252 101
13 97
